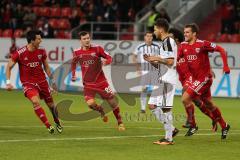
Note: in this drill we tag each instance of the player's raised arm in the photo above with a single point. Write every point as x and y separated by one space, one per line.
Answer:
106 56
10 65
213 47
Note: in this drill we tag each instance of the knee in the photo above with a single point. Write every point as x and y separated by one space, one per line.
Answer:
151 106
35 102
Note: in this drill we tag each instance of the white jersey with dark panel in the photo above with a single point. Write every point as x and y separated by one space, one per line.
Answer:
163 96
147 77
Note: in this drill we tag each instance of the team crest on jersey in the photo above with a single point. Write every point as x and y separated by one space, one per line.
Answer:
39 56
26 58
185 50
197 50
93 54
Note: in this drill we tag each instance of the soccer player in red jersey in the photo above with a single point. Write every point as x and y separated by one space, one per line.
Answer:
185 78
196 52
31 60
94 80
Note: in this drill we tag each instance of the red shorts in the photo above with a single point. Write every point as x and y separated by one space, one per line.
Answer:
201 87
41 89
103 90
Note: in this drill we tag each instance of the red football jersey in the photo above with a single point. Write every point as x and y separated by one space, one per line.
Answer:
91 64
197 57
30 64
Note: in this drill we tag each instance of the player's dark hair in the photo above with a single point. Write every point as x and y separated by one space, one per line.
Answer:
83 33
31 35
194 27
148 32
178 35
162 23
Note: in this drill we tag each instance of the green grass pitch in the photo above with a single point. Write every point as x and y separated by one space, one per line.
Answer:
23 137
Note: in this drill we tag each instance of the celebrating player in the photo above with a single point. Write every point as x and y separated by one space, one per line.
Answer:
185 78
162 102
94 81
143 67
196 52
30 59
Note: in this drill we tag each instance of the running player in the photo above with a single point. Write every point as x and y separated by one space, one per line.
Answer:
31 60
94 81
196 52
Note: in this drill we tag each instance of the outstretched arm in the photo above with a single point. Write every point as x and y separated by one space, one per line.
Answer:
223 54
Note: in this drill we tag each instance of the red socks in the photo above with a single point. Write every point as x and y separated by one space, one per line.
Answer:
190 115
218 117
206 111
41 115
116 112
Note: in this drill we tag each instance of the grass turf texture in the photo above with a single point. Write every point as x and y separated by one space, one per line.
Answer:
22 136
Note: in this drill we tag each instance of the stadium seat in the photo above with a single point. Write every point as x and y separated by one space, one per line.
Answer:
36 10
63 34
38 2
45 11
235 38
66 12
53 22
211 37
223 38
18 33
55 12
63 24
7 33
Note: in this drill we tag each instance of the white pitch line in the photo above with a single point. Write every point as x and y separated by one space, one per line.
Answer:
97 138
85 127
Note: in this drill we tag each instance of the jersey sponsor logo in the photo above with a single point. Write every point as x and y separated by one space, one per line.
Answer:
181 60
33 64
39 56
93 54
88 62
197 50
191 57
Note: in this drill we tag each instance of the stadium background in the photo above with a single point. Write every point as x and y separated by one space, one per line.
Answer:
118 25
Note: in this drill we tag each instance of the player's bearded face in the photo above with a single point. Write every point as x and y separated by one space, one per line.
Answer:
188 34
85 40
37 41
157 32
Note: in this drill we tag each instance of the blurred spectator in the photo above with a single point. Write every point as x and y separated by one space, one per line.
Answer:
19 14
163 14
29 17
92 13
74 18
227 15
6 15
12 48
48 31
152 18
98 28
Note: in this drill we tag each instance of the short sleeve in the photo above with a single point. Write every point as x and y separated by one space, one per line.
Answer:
102 52
15 56
169 49
44 57
209 46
